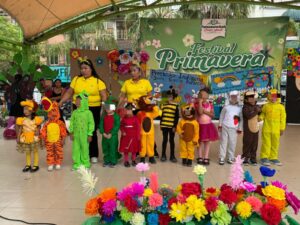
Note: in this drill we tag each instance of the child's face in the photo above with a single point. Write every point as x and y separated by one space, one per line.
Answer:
274 98
233 99
109 111
203 95
26 111
251 100
77 102
170 98
129 112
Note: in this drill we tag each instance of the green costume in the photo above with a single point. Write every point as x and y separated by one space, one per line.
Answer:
81 126
110 124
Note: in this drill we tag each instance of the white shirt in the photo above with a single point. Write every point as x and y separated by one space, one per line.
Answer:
227 116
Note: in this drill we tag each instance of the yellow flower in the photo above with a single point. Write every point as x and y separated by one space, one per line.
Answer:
196 207
178 211
274 192
244 209
179 188
148 192
199 170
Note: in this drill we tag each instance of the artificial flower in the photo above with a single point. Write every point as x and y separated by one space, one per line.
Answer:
191 189
278 184
109 207
255 203
270 214
136 58
137 189
293 201
228 196
125 215
164 219
124 193
88 180
211 204
148 192
155 200
221 215
199 170
196 207
108 194
236 173
171 201
152 219
108 219
131 204
280 204
137 219
142 167
163 208
124 68
244 209
154 182
100 204
248 177
91 207
178 211
211 192
259 189
166 192
113 55
181 198
274 192
144 56
249 187
125 58
266 171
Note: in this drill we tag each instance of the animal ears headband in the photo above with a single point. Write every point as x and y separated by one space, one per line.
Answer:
47 104
83 60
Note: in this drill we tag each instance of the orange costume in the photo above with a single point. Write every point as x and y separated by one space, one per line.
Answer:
53 133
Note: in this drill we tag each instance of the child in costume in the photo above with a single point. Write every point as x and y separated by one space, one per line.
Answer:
28 140
229 126
147 113
81 129
130 135
274 116
53 134
208 131
251 112
168 124
109 127
188 130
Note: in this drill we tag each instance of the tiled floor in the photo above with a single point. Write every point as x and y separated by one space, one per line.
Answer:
57 197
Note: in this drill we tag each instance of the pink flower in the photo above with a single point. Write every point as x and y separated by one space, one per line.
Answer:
278 184
236 173
293 201
125 58
142 167
155 200
156 43
144 56
255 202
249 187
154 182
124 68
256 48
109 207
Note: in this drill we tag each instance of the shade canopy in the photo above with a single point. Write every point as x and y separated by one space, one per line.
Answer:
42 19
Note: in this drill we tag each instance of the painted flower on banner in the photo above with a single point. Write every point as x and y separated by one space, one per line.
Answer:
99 61
280 41
75 54
256 48
156 43
168 31
148 43
188 40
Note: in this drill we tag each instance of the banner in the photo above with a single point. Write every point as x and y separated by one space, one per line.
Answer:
244 44
186 85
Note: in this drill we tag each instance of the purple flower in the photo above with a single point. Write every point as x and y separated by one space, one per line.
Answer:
266 171
293 201
109 207
249 187
279 185
122 195
137 189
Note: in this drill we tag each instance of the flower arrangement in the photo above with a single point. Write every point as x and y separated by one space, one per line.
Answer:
240 202
121 60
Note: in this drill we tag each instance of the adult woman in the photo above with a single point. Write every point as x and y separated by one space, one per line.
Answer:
88 81
57 91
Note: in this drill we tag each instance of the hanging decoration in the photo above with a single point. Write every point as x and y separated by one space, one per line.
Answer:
75 54
293 64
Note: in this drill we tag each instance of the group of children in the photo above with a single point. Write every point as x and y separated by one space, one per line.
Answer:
195 129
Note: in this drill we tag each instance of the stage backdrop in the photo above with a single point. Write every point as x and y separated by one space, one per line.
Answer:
214 46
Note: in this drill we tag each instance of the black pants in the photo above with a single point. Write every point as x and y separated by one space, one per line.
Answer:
94 151
168 134
250 143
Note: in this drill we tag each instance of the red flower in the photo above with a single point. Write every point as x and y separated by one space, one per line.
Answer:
225 186
164 219
171 201
211 204
259 190
131 204
100 203
234 214
228 196
191 189
270 214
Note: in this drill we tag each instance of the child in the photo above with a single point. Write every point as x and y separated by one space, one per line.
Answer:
250 127
147 113
53 134
274 116
230 125
28 140
109 127
208 131
82 127
168 124
131 135
188 130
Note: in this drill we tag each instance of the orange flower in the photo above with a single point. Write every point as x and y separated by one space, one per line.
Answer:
108 194
240 194
91 207
279 204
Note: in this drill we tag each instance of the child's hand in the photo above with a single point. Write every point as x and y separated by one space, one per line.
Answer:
108 136
105 135
71 137
281 132
174 129
219 128
89 139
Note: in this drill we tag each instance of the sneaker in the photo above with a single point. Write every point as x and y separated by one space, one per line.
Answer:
189 163
253 162
26 169
276 162
173 160
50 168
265 162
221 162
246 162
57 167
163 158
199 161
133 163
126 164
152 160
34 169
94 160
142 159
230 161
106 164
184 162
112 165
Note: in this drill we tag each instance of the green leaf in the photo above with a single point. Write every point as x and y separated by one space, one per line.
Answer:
37 75
18 58
25 67
244 221
92 221
32 68
14 69
3 77
291 220
48 73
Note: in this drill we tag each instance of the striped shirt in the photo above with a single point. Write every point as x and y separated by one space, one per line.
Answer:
170 115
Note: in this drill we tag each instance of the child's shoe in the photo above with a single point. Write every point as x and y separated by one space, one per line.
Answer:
189 163
199 161
246 162
112 165
26 169
126 164
94 160
230 161
57 167
142 160
173 160
206 162
253 162
152 160
221 162
265 162
276 162
34 169
133 163
105 164
50 168
184 162
163 158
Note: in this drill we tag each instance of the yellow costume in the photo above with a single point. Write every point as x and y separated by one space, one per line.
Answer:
188 129
145 116
274 117
28 136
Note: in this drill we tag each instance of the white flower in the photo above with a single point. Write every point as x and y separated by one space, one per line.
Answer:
199 170
281 41
87 179
188 40
156 43
137 219
125 58
148 43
